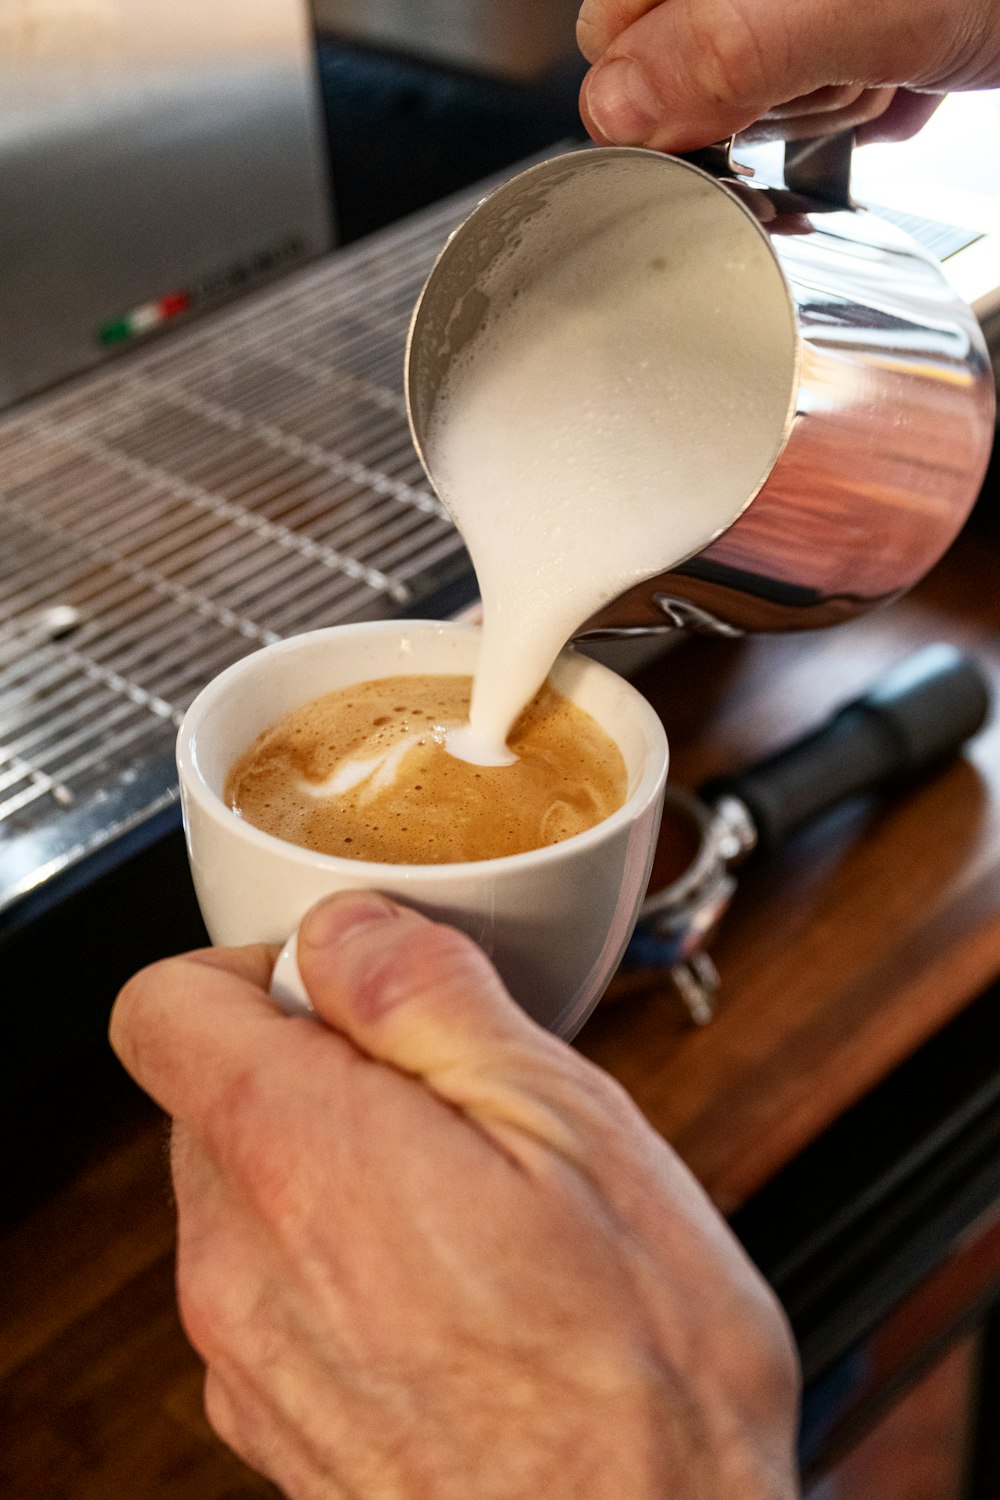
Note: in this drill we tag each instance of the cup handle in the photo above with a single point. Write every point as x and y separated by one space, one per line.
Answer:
286 981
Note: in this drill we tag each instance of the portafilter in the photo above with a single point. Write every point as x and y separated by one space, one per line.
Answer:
905 725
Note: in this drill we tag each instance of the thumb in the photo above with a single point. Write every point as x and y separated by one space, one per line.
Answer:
690 72
424 999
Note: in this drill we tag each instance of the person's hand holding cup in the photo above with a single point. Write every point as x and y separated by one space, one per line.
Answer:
555 920
424 1248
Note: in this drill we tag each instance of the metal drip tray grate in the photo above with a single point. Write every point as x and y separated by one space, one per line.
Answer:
246 479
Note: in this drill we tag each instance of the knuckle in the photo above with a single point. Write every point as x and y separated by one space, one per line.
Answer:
605 1096
223 1417
600 21
838 96
604 1119
228 1305
444 950
870 106
231 1125
131 993
589 33
146 987
199 1312
428 960
784 1358
773 1366
244 1132
827 100
135 1030
727 63
265 1145
128 1008
218 1407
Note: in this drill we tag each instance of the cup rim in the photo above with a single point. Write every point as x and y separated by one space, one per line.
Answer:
195 785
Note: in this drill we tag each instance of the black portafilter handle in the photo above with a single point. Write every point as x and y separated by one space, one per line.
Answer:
914 718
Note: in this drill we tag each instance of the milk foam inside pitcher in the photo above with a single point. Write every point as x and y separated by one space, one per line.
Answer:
629 382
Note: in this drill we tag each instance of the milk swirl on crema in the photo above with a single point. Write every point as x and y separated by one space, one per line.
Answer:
363 773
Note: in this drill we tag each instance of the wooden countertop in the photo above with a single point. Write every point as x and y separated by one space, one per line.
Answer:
845 950
839 956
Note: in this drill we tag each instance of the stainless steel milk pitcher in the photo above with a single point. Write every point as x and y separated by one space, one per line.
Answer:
890 419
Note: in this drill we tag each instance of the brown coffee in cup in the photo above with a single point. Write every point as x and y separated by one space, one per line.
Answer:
364 773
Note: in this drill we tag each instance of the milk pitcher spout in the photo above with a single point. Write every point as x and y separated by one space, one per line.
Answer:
869 452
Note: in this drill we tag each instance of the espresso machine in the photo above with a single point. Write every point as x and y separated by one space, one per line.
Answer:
204 447
157 157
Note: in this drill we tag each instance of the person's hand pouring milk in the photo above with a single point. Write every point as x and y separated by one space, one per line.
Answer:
676 75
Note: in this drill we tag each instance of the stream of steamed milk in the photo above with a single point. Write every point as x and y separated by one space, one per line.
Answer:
604 426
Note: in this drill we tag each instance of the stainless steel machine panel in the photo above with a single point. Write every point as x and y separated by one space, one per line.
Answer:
244 479
155 156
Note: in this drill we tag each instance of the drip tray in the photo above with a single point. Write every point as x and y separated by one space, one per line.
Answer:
242 480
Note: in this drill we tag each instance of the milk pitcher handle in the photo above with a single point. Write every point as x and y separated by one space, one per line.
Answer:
818 169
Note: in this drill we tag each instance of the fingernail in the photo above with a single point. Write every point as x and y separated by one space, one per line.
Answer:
621 102
335 918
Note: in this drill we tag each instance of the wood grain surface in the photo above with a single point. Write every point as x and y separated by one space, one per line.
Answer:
840 955
100 1393
846 949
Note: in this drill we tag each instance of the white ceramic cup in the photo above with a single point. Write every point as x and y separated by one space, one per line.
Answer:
555 921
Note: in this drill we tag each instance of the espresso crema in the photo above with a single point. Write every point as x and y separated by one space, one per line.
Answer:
364 773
